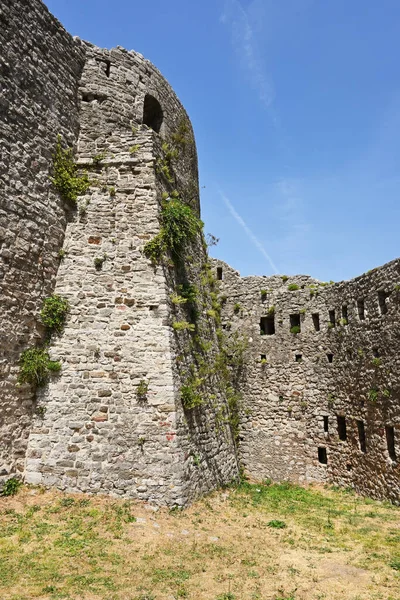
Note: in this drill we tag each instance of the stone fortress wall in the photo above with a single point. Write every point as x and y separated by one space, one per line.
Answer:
321 390
89 429
40 66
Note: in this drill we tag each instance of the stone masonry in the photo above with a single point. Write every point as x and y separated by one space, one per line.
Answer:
320 387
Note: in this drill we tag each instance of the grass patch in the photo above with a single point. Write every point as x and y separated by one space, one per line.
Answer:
263 541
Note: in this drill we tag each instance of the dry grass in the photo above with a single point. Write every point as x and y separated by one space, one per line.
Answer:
269 542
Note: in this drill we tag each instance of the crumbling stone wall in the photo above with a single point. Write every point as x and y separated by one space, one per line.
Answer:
298 384
40 66
96 433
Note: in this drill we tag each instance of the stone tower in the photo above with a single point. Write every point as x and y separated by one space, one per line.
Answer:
89 429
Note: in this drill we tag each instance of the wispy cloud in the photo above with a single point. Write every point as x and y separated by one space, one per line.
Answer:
245 46
249 233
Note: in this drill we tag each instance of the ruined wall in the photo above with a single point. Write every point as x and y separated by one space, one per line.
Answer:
95 433
40 66
344 363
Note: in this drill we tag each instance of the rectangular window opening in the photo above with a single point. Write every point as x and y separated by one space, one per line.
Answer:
105 66
361 310
390 441
295 326
330 358
322 456
326 423
267 325
361 436
263 356
298 358
219 273
382 302
332 319
315 318
341 425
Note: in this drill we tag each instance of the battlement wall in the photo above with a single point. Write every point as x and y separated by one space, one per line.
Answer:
321 391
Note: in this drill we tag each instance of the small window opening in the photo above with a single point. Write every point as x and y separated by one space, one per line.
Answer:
330 358
295 322
315 318
361 436
382 302
326 423
91 97
361 310
299 358
349 353
219 273
345 314
375 352
263 356
390 441
322 456
341 425
332 320
105 66
152 113
349 466
267 325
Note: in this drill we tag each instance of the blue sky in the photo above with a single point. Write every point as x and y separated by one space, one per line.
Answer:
296 111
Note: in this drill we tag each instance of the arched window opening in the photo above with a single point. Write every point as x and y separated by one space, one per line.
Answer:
152 113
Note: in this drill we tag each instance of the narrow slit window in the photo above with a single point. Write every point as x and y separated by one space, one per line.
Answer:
322 456
345 314
330 358
295 326
390 441
361 436
219 273
341 425
332 320
326 423
375 352
361 309
267 325
382 302
315 318
152 113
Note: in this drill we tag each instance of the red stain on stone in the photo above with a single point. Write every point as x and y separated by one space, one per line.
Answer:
171 436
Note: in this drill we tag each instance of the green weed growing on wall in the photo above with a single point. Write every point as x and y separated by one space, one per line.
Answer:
54 312
36 367
66 178
179 226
